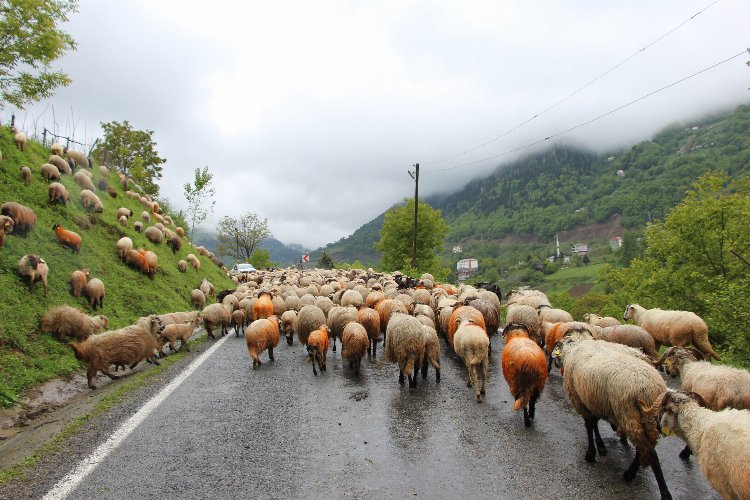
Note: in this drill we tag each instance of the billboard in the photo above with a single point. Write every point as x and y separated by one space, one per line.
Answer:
466 268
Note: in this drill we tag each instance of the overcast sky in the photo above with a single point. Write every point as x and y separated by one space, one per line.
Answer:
311 113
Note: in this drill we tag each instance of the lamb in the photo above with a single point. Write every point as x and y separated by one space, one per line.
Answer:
182 265
138 226
154 235
551 315
91 201
62 165
317 346
309 319
629 335
67 238
33 267
78 158
216 315
6 226
177 331
23 217
57 193
370 319
354 344
472 345
124 245
56 149
20 139
26 175
65 321
95 293
289 325
207 288
123 221
524 369
404 344
596 320
431 352
606 383
721 440
197 298
238 321
263 307
127 346
84 181
526 315
262 334
677 328
78 280
463 312
50 172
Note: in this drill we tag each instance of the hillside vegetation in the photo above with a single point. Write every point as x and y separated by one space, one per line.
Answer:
28 357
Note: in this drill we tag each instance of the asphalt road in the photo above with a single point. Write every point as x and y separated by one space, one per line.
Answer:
229 431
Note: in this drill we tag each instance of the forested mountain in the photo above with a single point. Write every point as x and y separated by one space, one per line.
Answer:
565 188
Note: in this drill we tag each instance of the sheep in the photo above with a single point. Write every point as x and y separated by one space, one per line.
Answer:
56 149
174 243
309 319
289 325
50 172
404 344
524 370
78 158
721 440
33 267
78 280
556 331
370 319
596 320
263 307
472 345
526 315
351 298
180 232
91 201
67 238
66 321
95 293
216 315
57 193
466 312
62 165
23 217
676 328
385 309
373 298
197 298
354 344
20 139
150 263
123 221
84 180
103 170
238 321
127 346
489 313
6 226
26 175
551 315
317 346
262 334
145 216
177 331
610 384
122 211
629 335
431 352
207 288
532 298
153 235
338 318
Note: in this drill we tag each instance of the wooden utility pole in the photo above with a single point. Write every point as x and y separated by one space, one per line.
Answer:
415 175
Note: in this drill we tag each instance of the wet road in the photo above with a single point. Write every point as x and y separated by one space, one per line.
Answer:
233 432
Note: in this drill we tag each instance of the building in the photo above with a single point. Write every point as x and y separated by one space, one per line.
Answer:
458 249
579 249
615 243
466 268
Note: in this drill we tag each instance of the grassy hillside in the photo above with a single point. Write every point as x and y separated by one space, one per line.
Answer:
28 357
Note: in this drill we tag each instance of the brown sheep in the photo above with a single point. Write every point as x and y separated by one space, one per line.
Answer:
6 226
523 369
78 280
95 293
263 307
150 263
33 267
124 245
317 346
262 334
370 319
127 346
67 238
65 321
197 298
62 165
238 321
84 180
177 331
154 235
50 172
354 344
79 159
466 312
90 200
23 217
26 175
182 265
57 193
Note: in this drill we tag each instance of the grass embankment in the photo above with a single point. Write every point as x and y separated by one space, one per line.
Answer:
573 280
27 357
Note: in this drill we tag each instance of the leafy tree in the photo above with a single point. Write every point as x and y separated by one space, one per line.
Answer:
325 261
396 238
198 193
261 259
631 248
239 236
31 41
132 153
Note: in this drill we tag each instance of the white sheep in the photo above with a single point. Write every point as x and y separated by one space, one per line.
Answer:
552 315
124 244
676 328
20 138
596 320
472 345
91 201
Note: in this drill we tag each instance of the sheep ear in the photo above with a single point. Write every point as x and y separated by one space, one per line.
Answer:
697 398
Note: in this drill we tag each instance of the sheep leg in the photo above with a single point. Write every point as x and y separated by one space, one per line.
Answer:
424 368
475 382
599 441
590 423
526 418
656 466
437 375
686 452
485 364
532 403
334 343
630 473
270 354
208 330
401 377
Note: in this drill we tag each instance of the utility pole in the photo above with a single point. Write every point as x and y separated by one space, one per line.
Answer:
415 175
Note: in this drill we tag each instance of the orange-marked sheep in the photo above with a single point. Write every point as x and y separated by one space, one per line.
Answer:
370 319
385 309
557 331
317 347
263 307
262 334
67 238
354 344
78 280
523 369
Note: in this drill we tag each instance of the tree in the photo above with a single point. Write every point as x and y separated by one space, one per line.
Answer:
325 261
30 41
396 238
132 153
261 259
198 195
239 236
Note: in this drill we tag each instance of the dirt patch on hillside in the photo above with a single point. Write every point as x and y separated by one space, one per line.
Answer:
580 290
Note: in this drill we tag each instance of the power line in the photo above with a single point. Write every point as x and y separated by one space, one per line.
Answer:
580 89
587 122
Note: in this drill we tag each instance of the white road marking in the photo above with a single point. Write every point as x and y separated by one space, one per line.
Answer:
70 482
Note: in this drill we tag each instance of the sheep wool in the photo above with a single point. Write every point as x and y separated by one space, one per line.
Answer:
90 200
26 175
216 315
33 267
67 238
69 322
6 226
309 319
431 352
78 280
197 298
404 345
524 369
317 347
354 344
289 325
57 193
84 180
95 293
23 217
50 172
261 335
370 319
472 345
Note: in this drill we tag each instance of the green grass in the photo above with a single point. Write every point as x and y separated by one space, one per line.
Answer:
566 279
28 357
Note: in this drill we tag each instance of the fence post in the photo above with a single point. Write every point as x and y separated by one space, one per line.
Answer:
44 137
